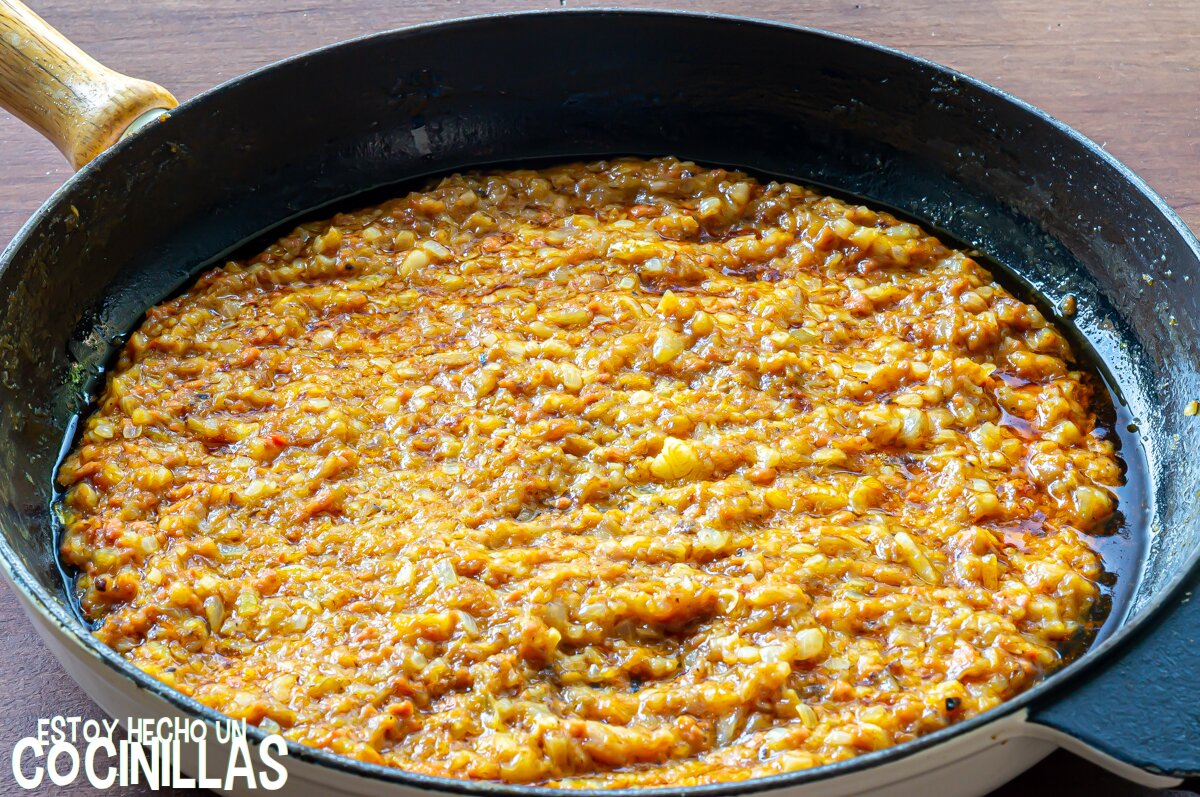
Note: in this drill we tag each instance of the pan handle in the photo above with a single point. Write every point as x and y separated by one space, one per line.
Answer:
1138 712
57 89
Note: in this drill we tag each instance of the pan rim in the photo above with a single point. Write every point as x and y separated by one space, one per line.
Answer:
75 632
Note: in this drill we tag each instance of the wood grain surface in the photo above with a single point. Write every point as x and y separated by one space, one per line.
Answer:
1127 74
80 105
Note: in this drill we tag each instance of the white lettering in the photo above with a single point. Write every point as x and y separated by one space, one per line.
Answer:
165 762
273 742
28 743
57 732
89 763
180 780
202 778
144 762
239 765
56 752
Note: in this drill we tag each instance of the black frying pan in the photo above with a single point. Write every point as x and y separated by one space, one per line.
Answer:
1057 214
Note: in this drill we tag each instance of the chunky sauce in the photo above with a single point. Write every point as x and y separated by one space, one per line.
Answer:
630 473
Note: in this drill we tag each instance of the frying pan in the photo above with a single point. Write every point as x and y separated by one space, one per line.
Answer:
191 185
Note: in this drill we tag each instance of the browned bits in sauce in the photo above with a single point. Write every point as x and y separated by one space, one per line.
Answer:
630 473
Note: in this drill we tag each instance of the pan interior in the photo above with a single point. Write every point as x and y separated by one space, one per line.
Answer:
1122 544
1052 211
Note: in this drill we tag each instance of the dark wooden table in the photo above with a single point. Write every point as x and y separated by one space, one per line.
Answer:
1126 74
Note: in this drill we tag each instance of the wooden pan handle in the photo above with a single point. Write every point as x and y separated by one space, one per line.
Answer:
57 89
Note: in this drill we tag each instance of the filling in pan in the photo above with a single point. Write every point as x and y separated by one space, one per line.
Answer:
630 473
